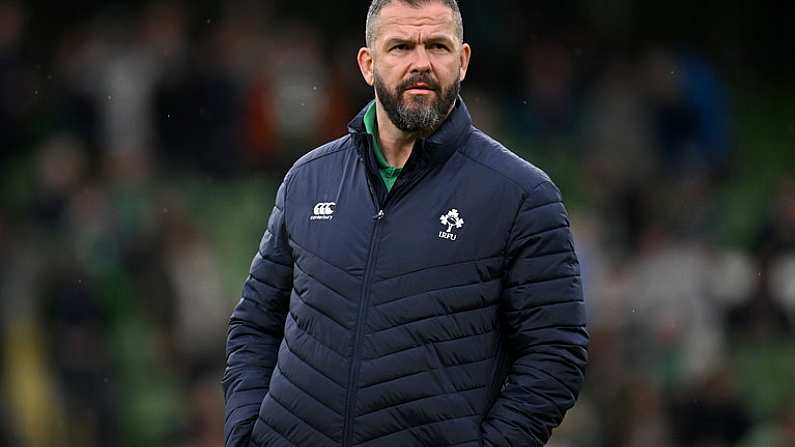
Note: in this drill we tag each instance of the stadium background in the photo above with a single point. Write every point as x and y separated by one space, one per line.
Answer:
141 144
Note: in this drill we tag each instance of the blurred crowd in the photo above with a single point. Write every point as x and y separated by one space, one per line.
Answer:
141 146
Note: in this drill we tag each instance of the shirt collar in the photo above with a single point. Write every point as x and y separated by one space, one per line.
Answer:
371 127
442 143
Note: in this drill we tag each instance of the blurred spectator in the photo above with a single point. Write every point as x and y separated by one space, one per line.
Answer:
690 112
131 73
190 265
206 409
760 318
79 355
547 106
61 169
710 412
16 94
776 234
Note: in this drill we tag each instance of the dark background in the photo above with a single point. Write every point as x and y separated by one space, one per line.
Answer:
141 144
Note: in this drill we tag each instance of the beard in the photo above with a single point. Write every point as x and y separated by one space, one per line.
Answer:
420 114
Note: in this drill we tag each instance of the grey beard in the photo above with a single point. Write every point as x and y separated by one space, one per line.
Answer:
426 115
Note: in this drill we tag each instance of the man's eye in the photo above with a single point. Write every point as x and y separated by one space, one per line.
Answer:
439 46
401 47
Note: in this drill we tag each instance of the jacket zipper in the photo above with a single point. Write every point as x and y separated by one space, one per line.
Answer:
360 321
399 190
353 377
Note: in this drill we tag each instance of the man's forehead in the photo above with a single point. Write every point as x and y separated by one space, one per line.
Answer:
398 16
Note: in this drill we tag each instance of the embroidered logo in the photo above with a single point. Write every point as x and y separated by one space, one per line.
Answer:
452 220
323 211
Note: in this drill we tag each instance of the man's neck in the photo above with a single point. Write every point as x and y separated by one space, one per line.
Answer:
395 143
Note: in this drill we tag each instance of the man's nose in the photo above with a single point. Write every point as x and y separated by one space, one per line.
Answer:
421 62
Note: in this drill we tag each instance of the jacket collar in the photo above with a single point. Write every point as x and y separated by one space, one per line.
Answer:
442 143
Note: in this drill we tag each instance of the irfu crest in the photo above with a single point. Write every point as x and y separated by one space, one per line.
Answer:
453 220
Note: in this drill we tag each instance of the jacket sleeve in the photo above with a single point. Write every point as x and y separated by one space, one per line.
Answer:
256 329
543 317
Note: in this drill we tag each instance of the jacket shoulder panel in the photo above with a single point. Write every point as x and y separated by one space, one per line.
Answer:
490 153
340 144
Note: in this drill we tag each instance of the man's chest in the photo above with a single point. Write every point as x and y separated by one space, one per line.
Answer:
442 220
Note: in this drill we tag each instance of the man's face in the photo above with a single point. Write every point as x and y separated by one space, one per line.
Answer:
416 64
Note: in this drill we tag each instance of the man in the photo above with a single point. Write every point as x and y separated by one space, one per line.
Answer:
417 284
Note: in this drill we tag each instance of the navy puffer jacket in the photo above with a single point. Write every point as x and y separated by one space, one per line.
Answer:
447 312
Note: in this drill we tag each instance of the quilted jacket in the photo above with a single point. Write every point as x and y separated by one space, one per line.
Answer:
447 312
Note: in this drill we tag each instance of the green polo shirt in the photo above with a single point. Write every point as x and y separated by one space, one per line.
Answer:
388 173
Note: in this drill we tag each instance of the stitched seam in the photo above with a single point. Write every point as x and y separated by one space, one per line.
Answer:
534 306
273 429
265 283
292 413
310 335
425 371
448 314
322 259
268 259
551 326
544 255
462 442
508 238
253 388
326 286
471 261
519 185
549 358
249 422
253 324
545 373
312 367
422 345
392 379
509 235
539 281
233 410
528 392
392 300
535 207
300 388
419 399
298 297
548 230
341 146
518 427
417 426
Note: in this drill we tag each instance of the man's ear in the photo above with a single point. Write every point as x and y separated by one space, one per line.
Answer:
365 60
466 53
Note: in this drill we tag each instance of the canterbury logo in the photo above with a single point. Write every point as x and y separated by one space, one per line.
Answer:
323 211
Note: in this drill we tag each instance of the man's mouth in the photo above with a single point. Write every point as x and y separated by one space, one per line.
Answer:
420 88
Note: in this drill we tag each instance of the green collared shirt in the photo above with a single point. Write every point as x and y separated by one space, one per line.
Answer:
388 172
